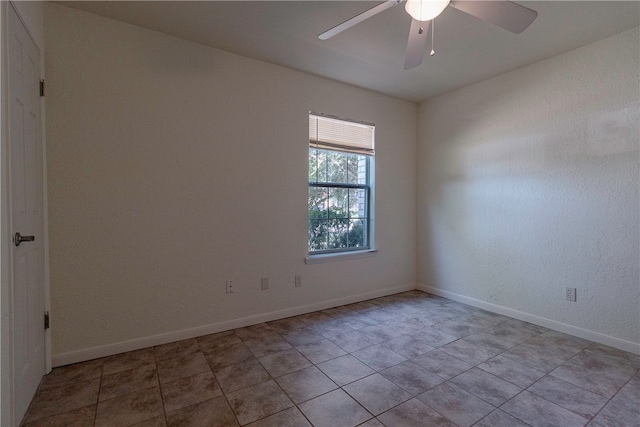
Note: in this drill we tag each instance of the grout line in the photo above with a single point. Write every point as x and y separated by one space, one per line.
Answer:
95 415
164 411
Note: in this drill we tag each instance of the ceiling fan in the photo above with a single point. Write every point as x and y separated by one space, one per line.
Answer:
503 13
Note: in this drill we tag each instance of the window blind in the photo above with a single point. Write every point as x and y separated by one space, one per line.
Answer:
334 134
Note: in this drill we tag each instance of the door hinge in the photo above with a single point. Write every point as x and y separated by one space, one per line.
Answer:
46 320
41 87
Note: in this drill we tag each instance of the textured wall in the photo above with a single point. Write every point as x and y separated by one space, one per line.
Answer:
528 183
173 167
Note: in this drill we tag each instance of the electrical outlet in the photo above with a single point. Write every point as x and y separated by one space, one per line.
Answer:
571 294
230 287
297 280
264 283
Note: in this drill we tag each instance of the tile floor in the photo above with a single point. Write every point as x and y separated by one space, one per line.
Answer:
410 359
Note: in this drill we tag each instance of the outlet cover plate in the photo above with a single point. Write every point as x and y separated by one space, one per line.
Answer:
571 294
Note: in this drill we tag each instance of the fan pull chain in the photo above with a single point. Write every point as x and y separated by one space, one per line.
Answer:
433 52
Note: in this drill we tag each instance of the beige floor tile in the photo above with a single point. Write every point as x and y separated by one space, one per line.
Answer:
434 337
468 352
571 397
82 417
381 331
258 401
129 360
190 390
486 386
331 328
533 356
539 412
62 399
412 378
125 382
72 374
253 332
300 336
373 422
153 422
267 344
512 371
414 413
376 393
212 413
623 410
379 357
345 369
284 362
315 318
210 343
291 417
499 418
408 346
241 375
229 355
333 409
355 340
320 351
130 409
181 367
305 384
596 374
176 349
457 405
287 325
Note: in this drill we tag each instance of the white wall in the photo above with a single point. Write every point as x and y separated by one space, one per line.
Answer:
528 183
174 166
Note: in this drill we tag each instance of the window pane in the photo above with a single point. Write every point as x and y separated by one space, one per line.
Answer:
320 169
318 233
338 218
313 164
338 202
353 172
338 231
357 231
318 203
357 203
363 170
336 167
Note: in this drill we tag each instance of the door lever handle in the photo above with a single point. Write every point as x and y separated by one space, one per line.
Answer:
17 239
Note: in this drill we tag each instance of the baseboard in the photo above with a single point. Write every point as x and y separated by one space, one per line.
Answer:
139 343
618 343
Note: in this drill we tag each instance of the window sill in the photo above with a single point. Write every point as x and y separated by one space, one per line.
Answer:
340 256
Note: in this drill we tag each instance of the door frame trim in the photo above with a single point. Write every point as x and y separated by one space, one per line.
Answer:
7 380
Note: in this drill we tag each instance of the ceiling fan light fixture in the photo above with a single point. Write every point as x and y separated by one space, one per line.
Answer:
425 10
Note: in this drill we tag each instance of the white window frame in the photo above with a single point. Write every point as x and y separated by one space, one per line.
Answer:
348 136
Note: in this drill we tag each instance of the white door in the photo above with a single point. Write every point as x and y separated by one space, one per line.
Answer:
27 216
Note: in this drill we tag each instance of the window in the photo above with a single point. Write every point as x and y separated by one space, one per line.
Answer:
341 155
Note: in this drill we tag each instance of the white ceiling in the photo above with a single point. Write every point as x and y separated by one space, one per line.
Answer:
371 54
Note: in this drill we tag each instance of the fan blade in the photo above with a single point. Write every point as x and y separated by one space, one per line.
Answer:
358 19
505 14
416 44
